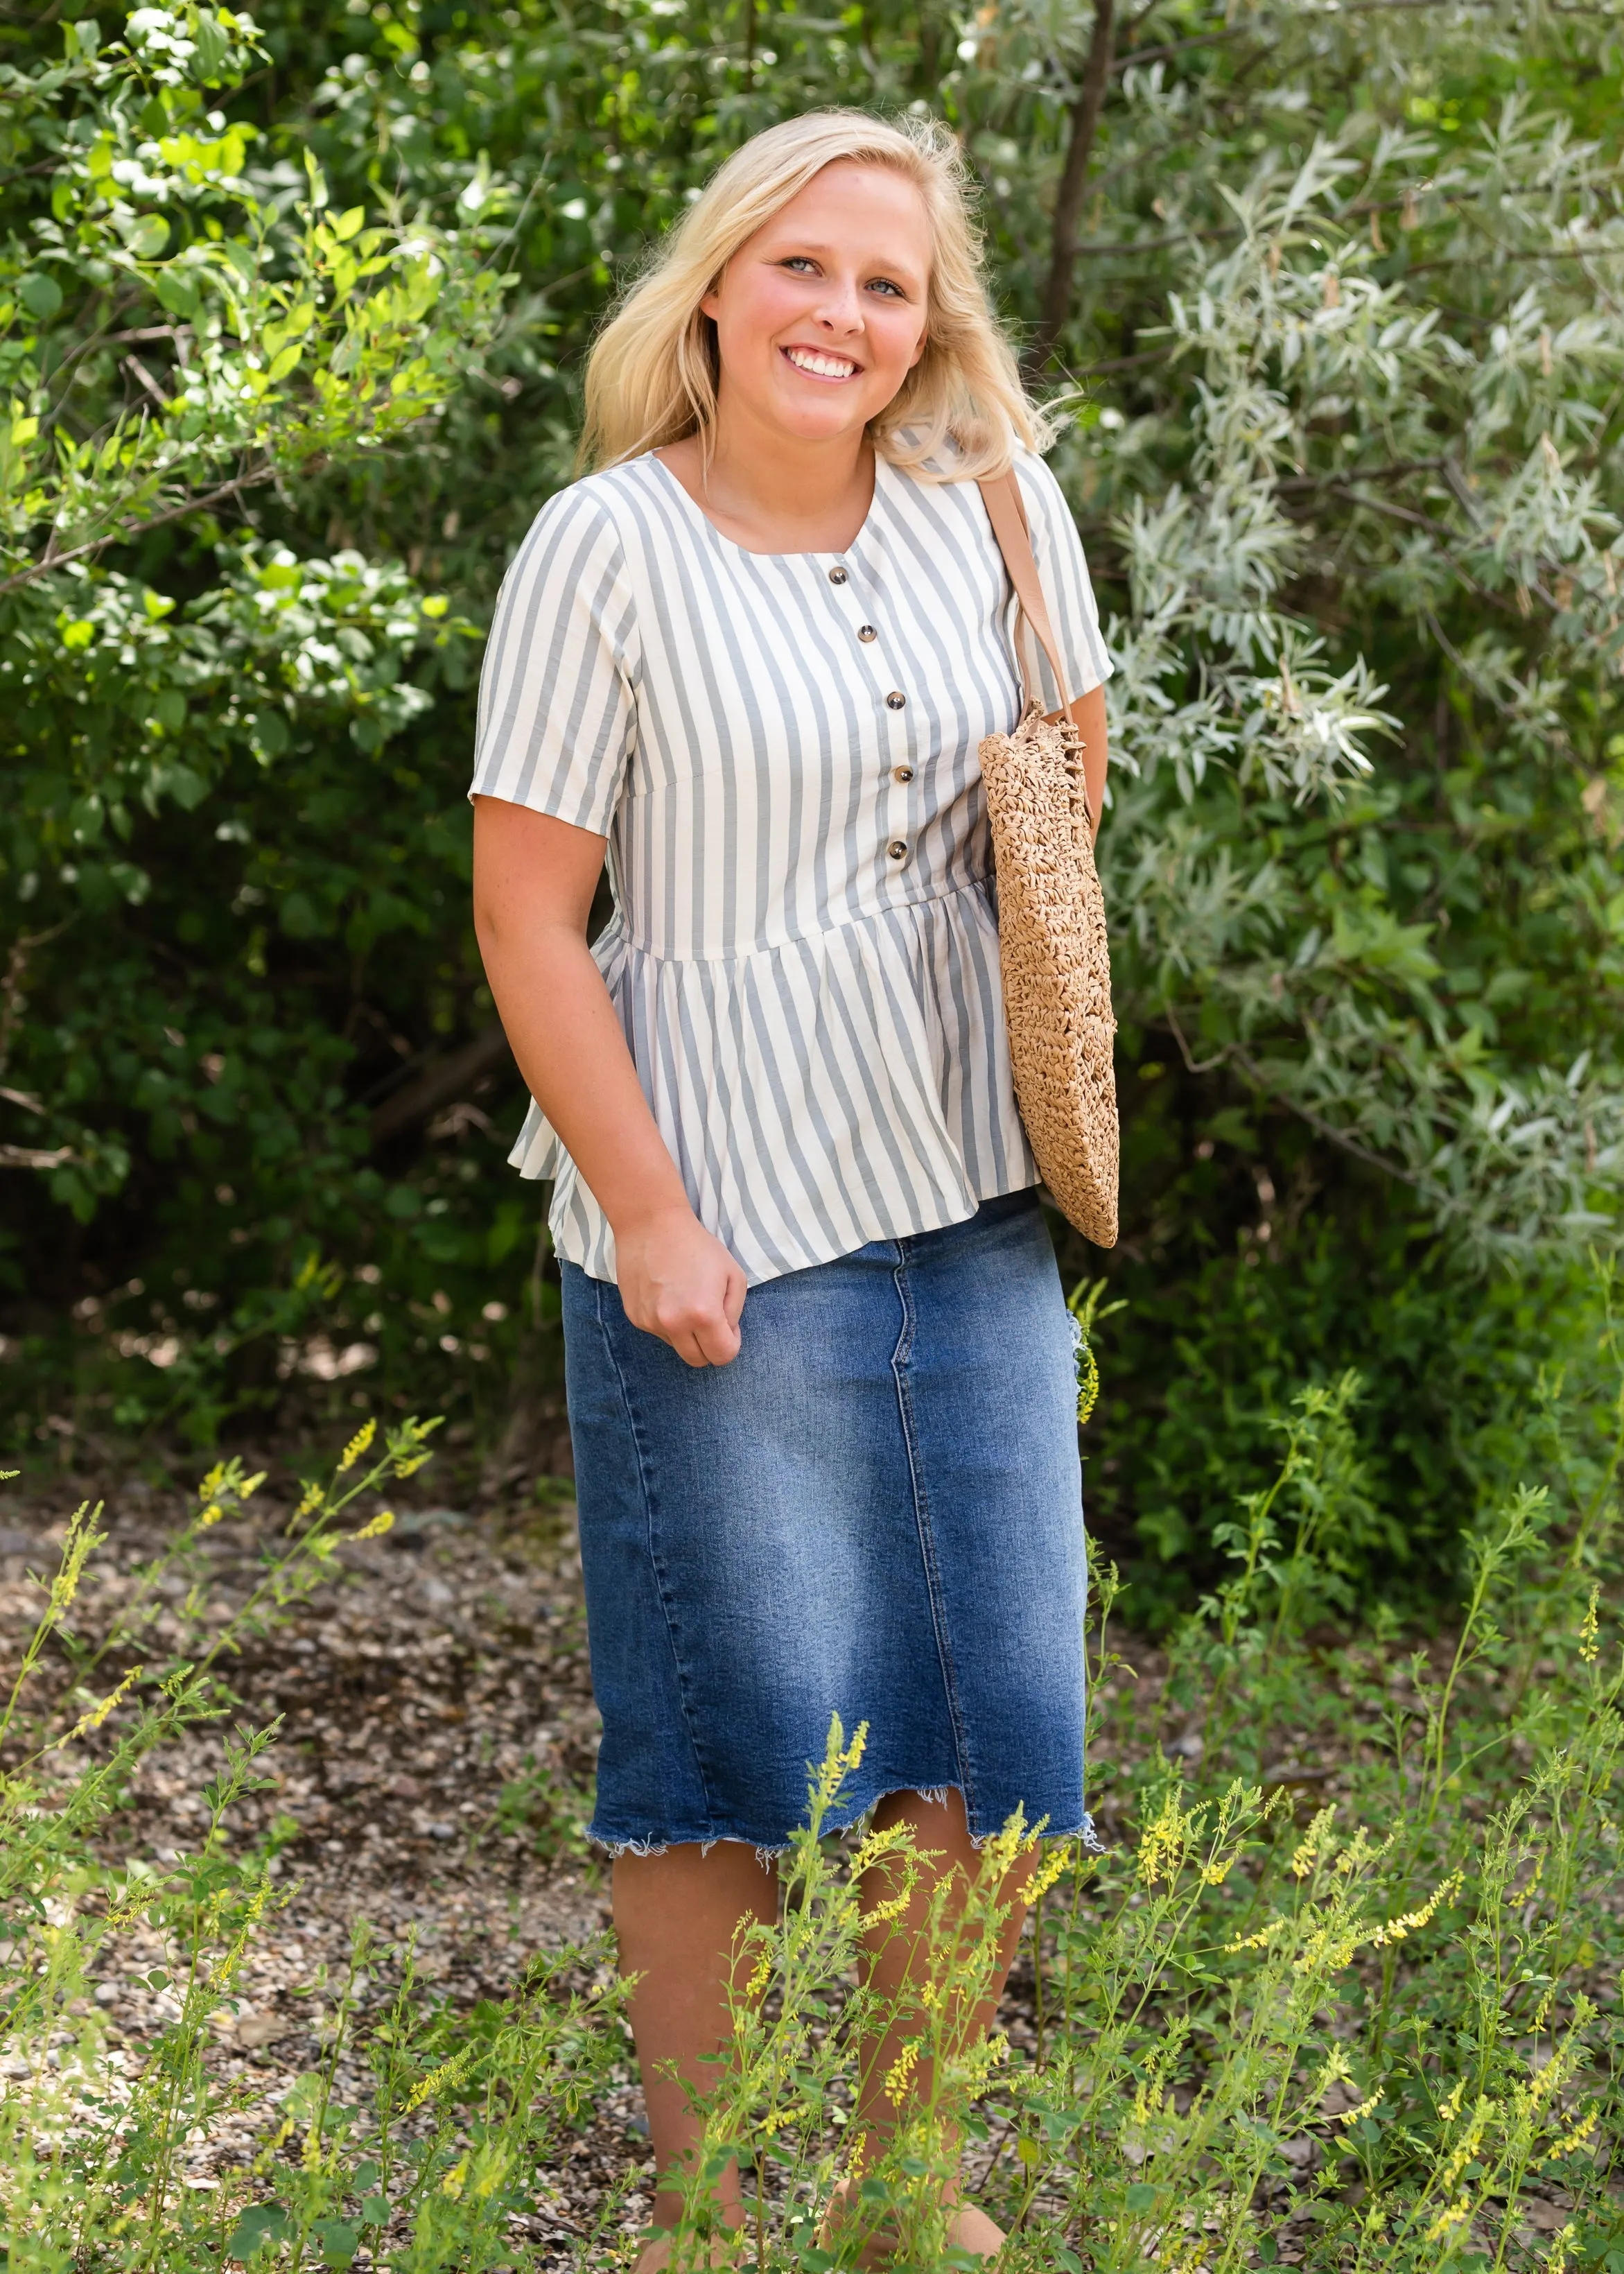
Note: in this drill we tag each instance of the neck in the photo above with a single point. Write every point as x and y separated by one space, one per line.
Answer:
779 483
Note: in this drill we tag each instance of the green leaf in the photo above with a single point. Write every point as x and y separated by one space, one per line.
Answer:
259 2227
42 296
178 290
213 43
1140 2198
300 918
147 237
339 2238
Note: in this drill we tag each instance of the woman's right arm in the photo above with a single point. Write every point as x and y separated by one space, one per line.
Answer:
534 878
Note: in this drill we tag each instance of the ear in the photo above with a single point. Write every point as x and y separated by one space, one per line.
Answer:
924 341
711 305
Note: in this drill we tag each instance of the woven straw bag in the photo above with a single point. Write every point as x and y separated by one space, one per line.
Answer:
1051 917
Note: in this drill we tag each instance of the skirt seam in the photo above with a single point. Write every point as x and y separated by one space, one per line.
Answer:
655 1562
927 1542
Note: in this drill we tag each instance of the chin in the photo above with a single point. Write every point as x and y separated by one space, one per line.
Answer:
820 422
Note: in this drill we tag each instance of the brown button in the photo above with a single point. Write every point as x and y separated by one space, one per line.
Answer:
866 632
902 773
895 700
836 576
897 850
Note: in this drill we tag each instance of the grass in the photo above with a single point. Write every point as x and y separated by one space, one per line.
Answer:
1342 1991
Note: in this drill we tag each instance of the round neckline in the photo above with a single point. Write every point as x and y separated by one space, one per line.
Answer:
748 553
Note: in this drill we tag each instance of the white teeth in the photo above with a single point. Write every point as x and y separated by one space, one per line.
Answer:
825 366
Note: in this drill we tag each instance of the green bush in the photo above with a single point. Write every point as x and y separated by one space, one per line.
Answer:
1334 316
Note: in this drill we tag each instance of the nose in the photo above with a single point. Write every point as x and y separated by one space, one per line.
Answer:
840 307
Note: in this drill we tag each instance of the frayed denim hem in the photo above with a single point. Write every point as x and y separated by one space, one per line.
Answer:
768 1851
766 1854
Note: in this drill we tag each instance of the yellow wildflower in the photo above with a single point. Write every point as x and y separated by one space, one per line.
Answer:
1589 1646
1166 1839
357 1445
110 1704
82 1538
1261 1940
1577 2136
1407 1922
900 2070
1044 1878
1314 1841
447 2072
1365 2108
375 1526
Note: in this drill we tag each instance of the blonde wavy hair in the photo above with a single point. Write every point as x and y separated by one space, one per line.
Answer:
652 376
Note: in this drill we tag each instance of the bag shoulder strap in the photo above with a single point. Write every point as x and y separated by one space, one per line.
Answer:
1006 510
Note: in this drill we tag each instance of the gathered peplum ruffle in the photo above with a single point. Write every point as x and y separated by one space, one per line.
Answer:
875 1049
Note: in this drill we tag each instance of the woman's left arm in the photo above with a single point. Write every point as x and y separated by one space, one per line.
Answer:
1089 713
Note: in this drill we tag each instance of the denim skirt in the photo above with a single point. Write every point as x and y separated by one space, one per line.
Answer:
875 1511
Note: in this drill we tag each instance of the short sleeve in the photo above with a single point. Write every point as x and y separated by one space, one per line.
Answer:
557 711
1066 586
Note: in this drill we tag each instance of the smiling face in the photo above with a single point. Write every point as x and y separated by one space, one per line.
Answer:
821 315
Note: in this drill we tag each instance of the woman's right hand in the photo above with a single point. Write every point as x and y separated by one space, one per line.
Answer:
678 1281
534 877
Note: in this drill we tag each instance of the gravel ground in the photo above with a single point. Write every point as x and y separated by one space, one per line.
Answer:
441 1662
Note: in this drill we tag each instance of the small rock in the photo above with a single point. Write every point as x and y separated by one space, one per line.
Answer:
261 2028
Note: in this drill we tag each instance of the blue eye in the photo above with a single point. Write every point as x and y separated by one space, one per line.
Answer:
884 284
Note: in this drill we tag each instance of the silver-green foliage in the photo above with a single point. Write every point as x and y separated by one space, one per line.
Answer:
1380 507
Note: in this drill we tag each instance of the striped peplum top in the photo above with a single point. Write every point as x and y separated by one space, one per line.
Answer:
781 750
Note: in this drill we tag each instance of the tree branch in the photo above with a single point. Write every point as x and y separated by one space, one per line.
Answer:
1176 48
1232 1054
1073 178
443 1081
48 560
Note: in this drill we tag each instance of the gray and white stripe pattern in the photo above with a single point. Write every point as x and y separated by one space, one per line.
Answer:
781 750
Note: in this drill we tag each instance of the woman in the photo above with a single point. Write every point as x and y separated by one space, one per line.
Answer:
820 1372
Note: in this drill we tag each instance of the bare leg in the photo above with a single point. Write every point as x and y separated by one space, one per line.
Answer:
899 1963
675 1918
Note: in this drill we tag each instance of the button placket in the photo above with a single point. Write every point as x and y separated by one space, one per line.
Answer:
898 804
894 814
